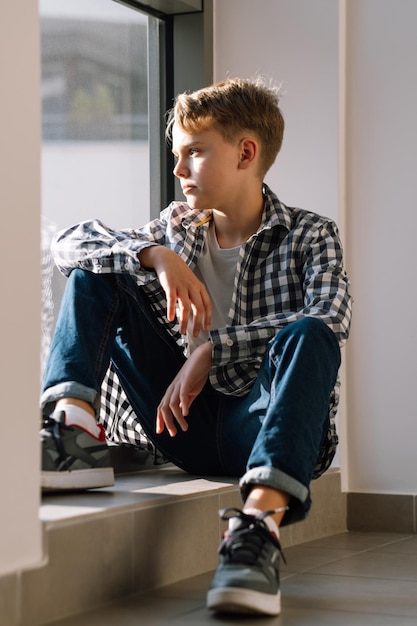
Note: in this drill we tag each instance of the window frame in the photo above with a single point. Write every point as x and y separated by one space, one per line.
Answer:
174 39
164 8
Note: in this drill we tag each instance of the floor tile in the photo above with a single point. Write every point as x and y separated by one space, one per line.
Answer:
357 541
375 564
338 581
316 617
404 546
304 558
352 594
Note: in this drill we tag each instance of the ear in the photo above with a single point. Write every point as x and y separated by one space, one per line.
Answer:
249 151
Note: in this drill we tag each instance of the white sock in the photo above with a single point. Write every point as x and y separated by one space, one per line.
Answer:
272 525
76 416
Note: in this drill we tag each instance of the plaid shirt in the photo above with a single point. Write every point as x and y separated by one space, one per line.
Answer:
291 268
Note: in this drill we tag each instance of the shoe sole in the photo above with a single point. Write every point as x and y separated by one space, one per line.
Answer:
243 601
78 479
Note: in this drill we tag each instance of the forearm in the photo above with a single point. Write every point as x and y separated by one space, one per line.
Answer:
94 247
153 257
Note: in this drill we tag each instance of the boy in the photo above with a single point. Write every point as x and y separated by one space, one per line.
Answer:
223 320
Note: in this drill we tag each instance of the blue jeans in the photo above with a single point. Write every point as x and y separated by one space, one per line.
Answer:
272 436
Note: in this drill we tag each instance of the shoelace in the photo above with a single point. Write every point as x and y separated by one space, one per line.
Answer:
245 543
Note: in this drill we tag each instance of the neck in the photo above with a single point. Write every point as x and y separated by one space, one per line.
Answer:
236 224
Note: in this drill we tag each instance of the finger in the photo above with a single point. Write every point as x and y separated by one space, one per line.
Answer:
171 297
198 318
201 312
160 424
207 310
164 419
177 412
184 313
201 308
185 404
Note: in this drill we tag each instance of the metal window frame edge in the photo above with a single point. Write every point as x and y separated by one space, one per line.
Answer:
152 7
161 92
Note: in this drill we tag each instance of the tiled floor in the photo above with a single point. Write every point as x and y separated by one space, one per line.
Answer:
349 579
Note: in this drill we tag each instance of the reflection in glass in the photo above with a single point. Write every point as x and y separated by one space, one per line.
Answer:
95 151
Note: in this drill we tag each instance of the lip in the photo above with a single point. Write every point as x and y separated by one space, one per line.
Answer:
187 188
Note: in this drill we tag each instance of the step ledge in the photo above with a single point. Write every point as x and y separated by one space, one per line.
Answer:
140 490
167 484
100 544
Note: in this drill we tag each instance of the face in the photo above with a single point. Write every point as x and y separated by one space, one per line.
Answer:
207 167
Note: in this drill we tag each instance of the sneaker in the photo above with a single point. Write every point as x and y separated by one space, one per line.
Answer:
72 458
247 578
127 458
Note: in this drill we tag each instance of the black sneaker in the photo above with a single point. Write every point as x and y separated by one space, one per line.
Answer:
247 578
72 458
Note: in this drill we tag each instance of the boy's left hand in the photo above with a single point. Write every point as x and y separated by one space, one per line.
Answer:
190 380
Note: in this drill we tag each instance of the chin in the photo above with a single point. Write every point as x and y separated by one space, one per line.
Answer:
193 203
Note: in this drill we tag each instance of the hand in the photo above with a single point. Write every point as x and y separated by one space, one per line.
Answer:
190 380
180 285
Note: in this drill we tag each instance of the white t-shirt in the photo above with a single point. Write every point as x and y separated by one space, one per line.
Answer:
216 268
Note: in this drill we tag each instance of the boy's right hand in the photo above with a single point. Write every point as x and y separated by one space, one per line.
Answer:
181 286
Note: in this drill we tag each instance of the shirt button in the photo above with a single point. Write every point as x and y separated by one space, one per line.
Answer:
229 342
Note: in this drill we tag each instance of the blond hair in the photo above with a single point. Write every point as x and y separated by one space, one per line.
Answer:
233 106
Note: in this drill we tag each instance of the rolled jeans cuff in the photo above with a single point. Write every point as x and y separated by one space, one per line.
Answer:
300 501
70 389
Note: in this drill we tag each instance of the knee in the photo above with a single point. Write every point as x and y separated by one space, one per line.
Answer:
306 327
81 278
309 327
308 333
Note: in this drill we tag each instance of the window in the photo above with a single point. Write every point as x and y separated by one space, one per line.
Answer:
107 80
95 139
95 152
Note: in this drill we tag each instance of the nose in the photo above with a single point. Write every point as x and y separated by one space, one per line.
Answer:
180 170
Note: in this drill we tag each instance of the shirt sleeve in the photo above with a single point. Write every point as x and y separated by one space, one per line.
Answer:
93 246
323 288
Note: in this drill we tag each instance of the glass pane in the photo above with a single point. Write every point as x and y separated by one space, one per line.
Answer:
95 158
95 151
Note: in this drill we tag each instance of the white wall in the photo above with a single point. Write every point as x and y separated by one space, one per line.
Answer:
20 538
382 220
297 41
294 42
